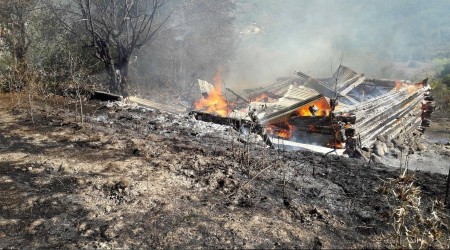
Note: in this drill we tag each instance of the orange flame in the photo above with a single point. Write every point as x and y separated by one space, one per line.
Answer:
337 145
322 104
410 88
399 85
215 103
284 130
264 97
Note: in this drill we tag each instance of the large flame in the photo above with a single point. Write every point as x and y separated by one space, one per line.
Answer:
214 103
322 104
285 130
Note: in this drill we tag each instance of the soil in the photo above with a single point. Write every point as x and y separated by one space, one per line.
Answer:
134 177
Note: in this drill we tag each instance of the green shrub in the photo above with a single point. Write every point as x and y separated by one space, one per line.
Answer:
445 71
441 92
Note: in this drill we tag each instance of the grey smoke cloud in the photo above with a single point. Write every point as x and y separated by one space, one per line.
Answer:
311 35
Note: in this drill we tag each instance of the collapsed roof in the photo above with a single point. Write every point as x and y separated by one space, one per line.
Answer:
379 106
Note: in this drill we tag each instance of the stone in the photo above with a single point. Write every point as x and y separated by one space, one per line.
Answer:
395 153
385 148
108 232
399 143
378 148
389 144
381 138
81 182
375 158
420 147
365 153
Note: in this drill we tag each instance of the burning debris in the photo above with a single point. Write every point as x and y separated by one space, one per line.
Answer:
214 103
345 112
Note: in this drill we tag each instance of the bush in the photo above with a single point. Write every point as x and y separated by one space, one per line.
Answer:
446 80
441 92
445 71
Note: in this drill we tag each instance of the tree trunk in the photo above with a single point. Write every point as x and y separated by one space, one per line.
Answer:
123 67
20 44
113 84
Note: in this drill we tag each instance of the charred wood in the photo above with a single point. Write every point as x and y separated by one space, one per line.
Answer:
345 118
302 121
74 92
104 96
237 124
326 130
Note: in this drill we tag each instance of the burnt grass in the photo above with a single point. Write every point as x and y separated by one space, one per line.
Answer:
133 177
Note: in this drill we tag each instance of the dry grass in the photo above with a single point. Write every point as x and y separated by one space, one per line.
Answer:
415 225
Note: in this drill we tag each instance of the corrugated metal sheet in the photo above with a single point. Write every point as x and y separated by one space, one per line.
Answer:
344 80
351 84
282 114
294 95
342 75
205 87
276 88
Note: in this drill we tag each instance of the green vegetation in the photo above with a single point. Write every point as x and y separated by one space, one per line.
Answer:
202 35
112 43
441 86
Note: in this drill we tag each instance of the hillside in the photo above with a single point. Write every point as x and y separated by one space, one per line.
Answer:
137 177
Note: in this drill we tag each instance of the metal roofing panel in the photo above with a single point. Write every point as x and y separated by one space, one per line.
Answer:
294 95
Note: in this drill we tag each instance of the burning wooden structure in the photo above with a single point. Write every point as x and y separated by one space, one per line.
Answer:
346 111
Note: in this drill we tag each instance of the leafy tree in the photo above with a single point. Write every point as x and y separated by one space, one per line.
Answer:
446 70
55 49
14 18
444 75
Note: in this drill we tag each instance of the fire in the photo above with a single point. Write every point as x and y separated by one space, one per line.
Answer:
322 105
264 97
284 130
337 145
399 85
410 88
215 102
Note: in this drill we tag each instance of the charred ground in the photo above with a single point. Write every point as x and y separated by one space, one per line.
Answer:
138 177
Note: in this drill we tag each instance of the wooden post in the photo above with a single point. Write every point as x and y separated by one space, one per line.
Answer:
448 186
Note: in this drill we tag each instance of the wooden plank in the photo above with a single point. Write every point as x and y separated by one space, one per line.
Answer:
150 104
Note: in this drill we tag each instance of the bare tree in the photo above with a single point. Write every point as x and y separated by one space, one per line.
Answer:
114 30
